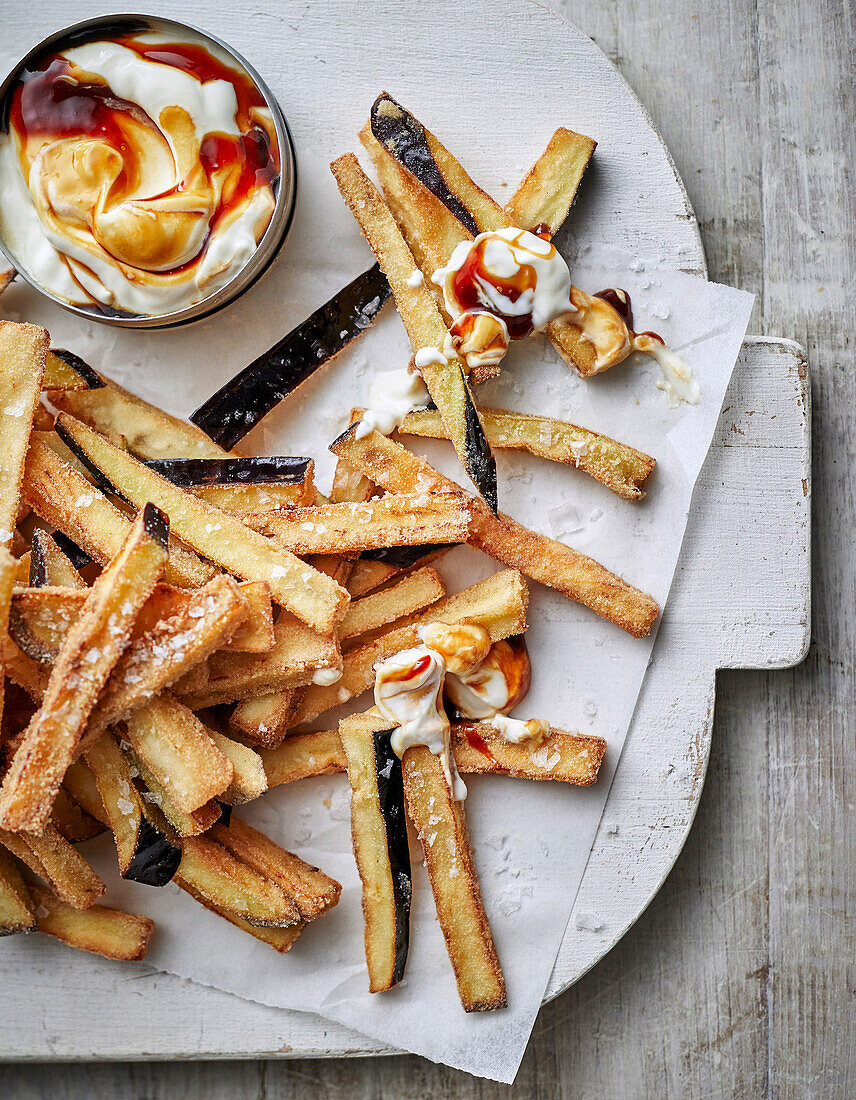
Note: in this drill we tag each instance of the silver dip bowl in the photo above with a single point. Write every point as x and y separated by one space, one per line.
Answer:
284 187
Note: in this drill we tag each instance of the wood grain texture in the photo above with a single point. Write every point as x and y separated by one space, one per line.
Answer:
738 980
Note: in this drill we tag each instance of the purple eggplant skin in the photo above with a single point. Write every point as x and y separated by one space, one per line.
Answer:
390 793
237 407
156 860
403 557
93 380
156 525
101 480
266 470
79 558
404 136
481 465
38 566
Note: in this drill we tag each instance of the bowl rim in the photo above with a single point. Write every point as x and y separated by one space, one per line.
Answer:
271 240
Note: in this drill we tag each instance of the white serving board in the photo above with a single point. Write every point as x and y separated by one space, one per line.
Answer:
740 599
747 607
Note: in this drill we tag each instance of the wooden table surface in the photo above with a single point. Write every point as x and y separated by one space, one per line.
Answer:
740 979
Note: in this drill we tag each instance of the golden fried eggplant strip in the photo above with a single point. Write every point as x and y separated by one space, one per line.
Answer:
249 780
563 757
264 719
98 930
498 604
253 635
119 798
157 798
311 596
552 563
544 196
620 468
51 566
379 840
64 498
440 822
367 575
17 912
148 431
303 755
298 653
22 364
178 750
393 520
280 939
212 872
312 891
71 820
411 593
51 857
89 651
259 498
424 323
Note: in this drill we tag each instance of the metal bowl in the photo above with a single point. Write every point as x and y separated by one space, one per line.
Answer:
285 187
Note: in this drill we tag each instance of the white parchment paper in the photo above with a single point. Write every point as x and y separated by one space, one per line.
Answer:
531 841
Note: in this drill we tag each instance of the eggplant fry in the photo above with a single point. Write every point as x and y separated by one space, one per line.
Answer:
368 575
66 371
228 883
298 653
312 891
178 750
412 593
392 520
249 780
89 651
478 749
308 594
303 755
442 827
425 326
379 839
237 407
63 497
70 819
497 603
23 349
49 565
264 719
562 756
17 912
98 930
145 854
620 468
546 193
52 858
158 802
280 939
552 563
148 432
